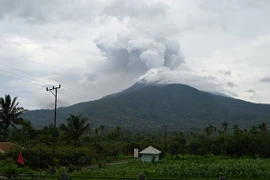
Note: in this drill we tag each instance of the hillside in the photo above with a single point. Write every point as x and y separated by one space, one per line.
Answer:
179 106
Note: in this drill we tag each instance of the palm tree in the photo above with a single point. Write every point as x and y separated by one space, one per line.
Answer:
96 132
9 114
225 126
207 131
253 129
263 128
118 128
75 128
102 128
236 128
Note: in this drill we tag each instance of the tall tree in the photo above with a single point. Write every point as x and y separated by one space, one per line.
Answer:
75 128
263 127
9 114
207 131
236 129
225 126
118 128
96 132
102 129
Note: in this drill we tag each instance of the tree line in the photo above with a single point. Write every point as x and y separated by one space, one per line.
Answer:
78 144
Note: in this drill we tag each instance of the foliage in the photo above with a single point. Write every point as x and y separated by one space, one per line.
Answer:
9 115
75 128
228 150
186 168
9 167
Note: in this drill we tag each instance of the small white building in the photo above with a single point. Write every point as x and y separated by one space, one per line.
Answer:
150 154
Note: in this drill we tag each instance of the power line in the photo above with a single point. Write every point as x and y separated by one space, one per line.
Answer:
65 93
53 81
34 80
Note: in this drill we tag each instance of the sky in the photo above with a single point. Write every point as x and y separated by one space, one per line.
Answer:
98 47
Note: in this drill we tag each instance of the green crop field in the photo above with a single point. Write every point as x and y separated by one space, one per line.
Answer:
188 169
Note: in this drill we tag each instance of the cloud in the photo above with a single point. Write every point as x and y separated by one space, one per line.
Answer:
231 84
48 11
122 9
233 94
182 75
48 103
227 73
265 80
100 47
137 56
92 76
251 91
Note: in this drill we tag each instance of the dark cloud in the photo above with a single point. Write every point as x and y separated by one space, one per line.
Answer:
135 9
47 103
227 73
251 91
48 10
265 80
231 84
92 76
233 94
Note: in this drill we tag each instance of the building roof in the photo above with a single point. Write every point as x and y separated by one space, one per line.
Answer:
150 150
4 146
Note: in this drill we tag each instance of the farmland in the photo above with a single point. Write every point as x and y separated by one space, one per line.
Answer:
203 168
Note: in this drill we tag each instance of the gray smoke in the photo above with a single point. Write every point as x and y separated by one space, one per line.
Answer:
137 56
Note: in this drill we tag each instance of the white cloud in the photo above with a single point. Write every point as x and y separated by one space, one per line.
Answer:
183 75
100 47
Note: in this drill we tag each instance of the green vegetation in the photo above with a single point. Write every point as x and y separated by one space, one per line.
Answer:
81 151
75 128
9 114
188 168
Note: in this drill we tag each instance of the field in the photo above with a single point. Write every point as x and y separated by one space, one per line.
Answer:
204 168
182 168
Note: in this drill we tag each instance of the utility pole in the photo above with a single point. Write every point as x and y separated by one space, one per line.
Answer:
54 122
166 132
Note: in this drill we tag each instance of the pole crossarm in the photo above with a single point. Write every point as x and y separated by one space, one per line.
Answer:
53 88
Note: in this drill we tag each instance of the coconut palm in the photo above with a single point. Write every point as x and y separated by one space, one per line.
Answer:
236 129
96 132
225 126
102 129
207 131
263 127
118 128
9 114
76 126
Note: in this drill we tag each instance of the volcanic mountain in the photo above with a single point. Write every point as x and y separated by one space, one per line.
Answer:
150 106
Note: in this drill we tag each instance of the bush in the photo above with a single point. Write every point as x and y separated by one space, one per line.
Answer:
9 167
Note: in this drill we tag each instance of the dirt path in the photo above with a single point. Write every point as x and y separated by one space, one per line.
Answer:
107 164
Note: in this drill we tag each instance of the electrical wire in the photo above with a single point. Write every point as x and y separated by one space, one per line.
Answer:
48 79
36 81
